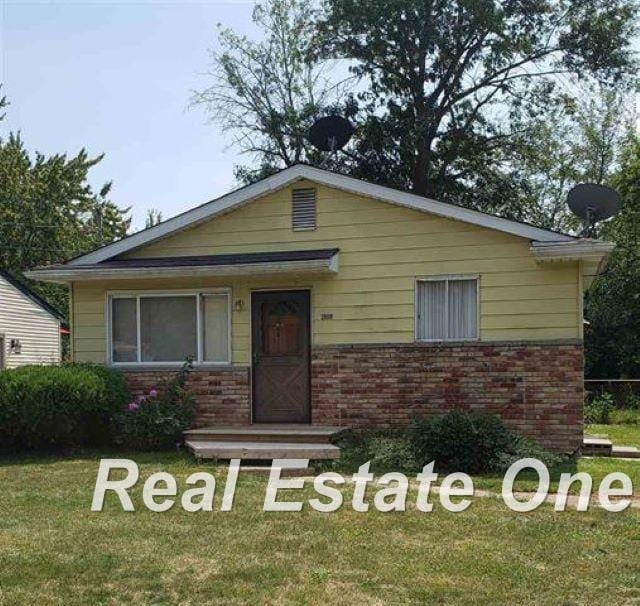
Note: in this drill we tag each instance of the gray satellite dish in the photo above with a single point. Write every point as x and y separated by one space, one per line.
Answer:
593 203
330 133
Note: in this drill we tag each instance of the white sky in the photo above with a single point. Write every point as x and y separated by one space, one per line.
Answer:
115 77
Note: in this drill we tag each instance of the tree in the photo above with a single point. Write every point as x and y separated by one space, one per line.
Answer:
444 78
49 213
268 93
576 140
612 340
154 216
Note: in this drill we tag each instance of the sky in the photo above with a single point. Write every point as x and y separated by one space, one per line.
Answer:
116 78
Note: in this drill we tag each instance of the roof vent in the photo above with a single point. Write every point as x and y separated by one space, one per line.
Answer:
303 209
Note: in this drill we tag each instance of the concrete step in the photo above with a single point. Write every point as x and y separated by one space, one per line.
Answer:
308 434
597 446
255 450
625 452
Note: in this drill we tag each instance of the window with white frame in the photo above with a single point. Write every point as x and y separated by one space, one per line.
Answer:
447 309
154 328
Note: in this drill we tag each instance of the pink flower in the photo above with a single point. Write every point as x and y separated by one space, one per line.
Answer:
153 393
133 406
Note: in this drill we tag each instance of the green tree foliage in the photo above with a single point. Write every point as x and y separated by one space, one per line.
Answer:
154 216
445 78
267 93
613 305
49 213
576 140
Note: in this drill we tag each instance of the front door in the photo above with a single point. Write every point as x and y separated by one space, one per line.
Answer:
281 325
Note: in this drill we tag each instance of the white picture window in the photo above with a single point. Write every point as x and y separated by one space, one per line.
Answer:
169 328
447 309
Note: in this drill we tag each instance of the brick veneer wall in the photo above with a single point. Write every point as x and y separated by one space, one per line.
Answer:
222 394
537 388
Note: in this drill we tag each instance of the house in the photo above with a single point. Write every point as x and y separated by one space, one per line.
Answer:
311 297
29 326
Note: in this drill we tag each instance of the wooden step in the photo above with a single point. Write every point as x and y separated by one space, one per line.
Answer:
600 447
308 434
625 452
229 449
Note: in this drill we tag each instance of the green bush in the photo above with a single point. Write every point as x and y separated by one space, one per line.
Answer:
57 407
522 447
625 417
598 410
387 450
156 420
390 452
632 402
471 442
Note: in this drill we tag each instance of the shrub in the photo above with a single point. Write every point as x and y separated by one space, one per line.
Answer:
389 452
156 420
525 448
471 442
598 410
56 407
625 417
632 402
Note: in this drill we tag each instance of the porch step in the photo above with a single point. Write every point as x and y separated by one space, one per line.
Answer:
228 449
625 452
307 434
599 447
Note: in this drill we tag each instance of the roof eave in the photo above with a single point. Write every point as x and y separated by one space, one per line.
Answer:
79 274
593 251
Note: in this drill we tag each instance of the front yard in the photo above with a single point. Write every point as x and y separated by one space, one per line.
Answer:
54 550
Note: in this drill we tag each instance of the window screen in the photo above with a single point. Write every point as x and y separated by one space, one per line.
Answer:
158 328
168 329
215 327
124 330
447 309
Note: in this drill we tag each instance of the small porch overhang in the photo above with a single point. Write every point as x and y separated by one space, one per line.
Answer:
324 261
593 254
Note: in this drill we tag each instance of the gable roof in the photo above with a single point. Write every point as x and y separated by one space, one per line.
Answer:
30 294
299 172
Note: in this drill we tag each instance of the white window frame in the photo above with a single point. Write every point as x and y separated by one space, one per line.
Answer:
141 294
446 278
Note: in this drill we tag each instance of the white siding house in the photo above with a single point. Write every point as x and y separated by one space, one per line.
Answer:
29 326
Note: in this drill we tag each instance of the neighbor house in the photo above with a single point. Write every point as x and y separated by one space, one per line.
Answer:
314 298
29 326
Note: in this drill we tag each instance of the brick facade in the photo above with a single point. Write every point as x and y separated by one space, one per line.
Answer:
537 388
222 394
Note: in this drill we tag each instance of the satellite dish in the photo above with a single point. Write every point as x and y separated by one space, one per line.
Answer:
593 203
331 133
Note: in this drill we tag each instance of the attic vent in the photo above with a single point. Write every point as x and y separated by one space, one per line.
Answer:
303 209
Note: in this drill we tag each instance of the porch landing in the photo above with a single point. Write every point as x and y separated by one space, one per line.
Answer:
263 442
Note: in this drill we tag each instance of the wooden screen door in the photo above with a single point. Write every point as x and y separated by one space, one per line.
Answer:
281 324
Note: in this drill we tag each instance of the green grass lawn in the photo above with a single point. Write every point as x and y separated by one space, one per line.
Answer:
54 550
620 435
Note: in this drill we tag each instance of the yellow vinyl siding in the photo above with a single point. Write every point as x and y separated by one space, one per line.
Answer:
383 248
